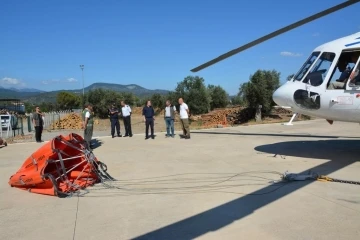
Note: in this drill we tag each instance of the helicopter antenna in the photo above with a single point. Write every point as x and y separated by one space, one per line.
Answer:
276 33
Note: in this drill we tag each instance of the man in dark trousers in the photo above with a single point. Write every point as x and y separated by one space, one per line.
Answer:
38 123
149 117
126 114
88 124
114 120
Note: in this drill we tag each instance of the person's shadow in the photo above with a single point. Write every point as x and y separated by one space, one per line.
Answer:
95 143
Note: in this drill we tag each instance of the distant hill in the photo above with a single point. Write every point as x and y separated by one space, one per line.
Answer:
133 88
38 96
8 93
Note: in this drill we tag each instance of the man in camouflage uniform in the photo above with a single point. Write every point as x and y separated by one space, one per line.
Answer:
88 124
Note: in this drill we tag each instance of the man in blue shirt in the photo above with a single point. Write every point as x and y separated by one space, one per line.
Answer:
149 117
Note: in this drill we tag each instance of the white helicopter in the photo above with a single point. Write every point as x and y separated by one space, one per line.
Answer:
328 84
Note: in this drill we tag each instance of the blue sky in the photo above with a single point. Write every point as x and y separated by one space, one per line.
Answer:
155 43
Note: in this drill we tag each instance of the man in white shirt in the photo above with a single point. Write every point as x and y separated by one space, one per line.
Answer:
126 114
169 116
184 118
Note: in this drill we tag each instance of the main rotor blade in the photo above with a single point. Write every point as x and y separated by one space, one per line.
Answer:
276 33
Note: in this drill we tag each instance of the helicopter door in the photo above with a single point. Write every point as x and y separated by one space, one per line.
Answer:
353 83
338 95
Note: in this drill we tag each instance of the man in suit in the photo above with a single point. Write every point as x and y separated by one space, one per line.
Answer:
149 117
126 114
114 119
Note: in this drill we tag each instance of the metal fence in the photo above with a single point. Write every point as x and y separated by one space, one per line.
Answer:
51 117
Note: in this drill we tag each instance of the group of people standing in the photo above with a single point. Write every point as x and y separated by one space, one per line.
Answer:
114 119
169 116
148 113
114 113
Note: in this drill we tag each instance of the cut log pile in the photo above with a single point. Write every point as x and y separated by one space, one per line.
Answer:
280 111
137 110
71 121
219 116
5 112
228 116
236 115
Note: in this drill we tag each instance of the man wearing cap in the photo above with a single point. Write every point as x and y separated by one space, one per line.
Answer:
114 120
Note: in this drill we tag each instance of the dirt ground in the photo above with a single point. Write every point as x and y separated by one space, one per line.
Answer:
137 124
103 127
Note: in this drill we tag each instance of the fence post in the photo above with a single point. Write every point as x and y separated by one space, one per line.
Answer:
29 123
258 114
22 126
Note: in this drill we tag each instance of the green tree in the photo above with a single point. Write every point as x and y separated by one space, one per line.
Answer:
29 107
290 77
219 97
236 101
173 97
194 92
102 99
157 101
259 90
129 98
67 100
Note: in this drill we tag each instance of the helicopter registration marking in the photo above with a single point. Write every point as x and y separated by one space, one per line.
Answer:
345 100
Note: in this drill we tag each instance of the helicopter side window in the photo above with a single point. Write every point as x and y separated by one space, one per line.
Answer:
305 67
319 70
355 76
341 72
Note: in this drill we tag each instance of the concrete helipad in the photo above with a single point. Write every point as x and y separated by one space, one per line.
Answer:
217 185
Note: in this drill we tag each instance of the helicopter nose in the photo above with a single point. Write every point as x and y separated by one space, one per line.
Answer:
282 96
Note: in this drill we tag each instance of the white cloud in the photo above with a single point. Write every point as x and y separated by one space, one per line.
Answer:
50 81
316 34
54 81
290 54
71 80
11 82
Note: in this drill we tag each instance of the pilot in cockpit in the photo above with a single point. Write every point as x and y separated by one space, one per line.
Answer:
345 73
355 76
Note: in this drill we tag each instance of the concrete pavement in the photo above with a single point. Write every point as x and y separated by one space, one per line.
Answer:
217 185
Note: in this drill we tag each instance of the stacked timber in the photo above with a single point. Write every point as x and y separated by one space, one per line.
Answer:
221 116
136 110
71 121
281 111
5 112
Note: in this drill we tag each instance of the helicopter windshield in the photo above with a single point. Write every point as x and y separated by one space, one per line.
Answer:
300 74
317 74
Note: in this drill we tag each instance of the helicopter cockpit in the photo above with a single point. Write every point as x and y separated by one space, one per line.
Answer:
320 66
318 70
341 76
